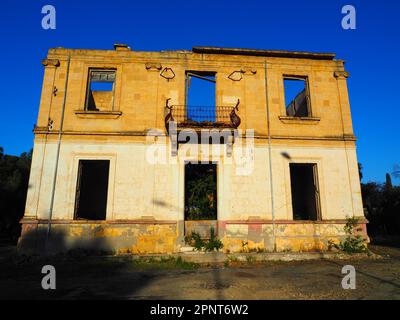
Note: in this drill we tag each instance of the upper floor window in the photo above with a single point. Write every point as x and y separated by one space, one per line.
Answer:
297 101
200 96
100 90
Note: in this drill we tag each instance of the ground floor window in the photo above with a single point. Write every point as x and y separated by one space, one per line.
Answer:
305 191
92 189
200 191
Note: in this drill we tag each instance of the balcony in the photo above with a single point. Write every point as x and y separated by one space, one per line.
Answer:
202 117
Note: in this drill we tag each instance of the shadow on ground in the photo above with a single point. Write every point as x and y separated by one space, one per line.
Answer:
82 276
82 270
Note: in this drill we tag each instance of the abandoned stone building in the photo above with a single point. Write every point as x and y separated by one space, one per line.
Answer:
135 150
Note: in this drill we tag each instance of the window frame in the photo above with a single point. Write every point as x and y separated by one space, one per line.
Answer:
88 84
306 80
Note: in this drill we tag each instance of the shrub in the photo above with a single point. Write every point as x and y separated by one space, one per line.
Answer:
199 244
353 243
214 243
198 241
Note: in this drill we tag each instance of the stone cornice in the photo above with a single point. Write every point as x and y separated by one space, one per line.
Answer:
51 63
144 133
341 74
28 220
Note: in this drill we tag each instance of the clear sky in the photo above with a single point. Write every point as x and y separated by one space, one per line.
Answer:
371 52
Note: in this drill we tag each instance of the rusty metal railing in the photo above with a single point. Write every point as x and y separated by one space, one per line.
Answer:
186 116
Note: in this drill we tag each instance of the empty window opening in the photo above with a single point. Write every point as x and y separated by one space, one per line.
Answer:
296 97
305 191
100 91
200 96
92 189
200 191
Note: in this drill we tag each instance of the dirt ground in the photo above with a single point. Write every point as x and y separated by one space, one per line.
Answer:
116 278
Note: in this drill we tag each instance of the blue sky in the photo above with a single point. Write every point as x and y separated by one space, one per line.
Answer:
371 52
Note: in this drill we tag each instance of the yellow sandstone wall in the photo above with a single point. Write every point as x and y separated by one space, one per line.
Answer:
148 197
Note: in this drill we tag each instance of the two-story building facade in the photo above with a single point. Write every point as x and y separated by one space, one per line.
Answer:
122 136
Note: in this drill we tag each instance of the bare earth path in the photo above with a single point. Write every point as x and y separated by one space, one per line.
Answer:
88 278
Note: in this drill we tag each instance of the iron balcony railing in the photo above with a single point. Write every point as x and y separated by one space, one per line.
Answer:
186 116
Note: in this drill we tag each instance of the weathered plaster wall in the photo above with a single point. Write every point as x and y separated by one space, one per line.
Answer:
138 188
288 236
140 238
168 237
139 191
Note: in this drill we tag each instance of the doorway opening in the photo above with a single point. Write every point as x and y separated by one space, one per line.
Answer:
92 189
305 191
200 198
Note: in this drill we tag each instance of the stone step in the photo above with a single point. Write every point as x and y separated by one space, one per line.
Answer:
187 249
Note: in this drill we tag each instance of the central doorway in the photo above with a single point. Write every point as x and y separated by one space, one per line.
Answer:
200 198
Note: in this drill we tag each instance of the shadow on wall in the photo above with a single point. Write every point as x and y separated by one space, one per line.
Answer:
163 204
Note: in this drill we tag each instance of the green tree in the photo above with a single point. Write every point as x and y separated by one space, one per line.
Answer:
14 179
360 168
200 192
388 184
382 206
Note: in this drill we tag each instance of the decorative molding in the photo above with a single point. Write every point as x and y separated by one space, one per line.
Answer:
300 120
143 133
341 74
326 138
361 221
98 114
248 70
349 137
51 63
42 129
153 66
101 222
167 73
236 76
32 221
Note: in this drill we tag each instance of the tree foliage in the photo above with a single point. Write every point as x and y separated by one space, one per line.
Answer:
14 178
382 207
200 194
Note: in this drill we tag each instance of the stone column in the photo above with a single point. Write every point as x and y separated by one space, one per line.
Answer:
341 77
